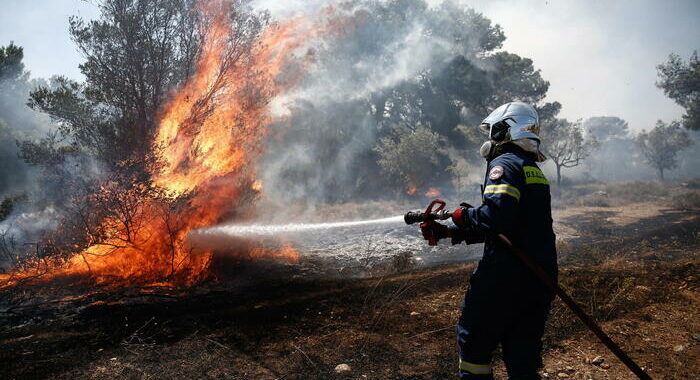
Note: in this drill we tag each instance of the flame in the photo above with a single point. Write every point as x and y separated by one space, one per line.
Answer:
213 125
433 192
411 190
209 134
286 252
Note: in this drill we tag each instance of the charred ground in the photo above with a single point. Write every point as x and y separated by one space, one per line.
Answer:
633 266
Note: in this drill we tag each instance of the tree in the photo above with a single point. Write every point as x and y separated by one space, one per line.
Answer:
604 128
16 119
681 82
614 145
564 143
103 151
135 54
397 62
11 65
660 146
412 157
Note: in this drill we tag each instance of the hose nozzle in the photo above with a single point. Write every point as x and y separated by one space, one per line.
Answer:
412 217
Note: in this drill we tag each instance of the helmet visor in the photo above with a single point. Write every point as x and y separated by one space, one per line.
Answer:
485 127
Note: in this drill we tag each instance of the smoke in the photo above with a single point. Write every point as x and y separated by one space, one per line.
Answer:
33 198
323 148
17 122
26 206
618 158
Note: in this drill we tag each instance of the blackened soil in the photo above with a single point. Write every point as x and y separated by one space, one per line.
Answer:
640 281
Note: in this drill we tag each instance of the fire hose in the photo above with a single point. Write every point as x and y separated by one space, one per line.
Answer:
430 215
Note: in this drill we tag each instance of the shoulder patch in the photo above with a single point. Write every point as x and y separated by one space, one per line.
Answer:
495 173
533 175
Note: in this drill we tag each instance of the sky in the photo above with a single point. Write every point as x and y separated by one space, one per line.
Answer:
599 56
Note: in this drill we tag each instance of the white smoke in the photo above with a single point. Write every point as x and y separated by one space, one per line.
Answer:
329 131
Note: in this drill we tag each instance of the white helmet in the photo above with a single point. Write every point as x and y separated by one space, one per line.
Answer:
512 121
515 122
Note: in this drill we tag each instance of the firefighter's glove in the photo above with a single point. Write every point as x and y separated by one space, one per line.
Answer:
434 231
462 231
459 216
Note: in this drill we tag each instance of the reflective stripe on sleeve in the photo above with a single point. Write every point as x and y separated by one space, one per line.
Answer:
476 369
503 189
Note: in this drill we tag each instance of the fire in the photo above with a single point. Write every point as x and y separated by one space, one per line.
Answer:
411 190
213 126
433 192
208 136
286 252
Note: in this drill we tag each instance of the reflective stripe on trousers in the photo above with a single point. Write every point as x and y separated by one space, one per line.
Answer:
474 368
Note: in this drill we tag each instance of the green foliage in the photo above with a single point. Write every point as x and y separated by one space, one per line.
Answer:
6 207
82 123
366 82
515 79
9 204
11 65
135 53
660 146
412 157
681 82
604 128
474 79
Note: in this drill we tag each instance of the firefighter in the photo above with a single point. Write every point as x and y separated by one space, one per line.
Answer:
505 303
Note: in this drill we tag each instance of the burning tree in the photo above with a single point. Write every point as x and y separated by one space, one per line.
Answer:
660 146
172 112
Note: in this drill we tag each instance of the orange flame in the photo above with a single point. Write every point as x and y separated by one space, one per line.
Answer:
207 139
411 190
433 192
286 252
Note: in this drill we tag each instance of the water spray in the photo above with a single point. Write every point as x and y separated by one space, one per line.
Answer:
241 230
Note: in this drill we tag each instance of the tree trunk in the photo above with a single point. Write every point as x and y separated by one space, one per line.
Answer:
661 174
558 175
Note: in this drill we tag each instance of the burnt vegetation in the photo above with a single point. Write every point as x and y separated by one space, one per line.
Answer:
379 113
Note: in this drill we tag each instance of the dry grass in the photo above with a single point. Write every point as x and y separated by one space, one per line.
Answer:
638 279
686 201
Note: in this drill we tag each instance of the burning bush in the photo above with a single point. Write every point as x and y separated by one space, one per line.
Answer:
129 225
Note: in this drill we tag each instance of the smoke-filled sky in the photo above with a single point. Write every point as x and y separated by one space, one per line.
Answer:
599 56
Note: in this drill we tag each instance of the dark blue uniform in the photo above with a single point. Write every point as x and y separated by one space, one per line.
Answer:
505 303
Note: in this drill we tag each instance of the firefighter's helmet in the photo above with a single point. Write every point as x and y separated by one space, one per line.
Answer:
512 121
516 123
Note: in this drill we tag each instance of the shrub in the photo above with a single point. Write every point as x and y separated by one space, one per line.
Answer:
694 184
637 191
686 201
402 262
595 200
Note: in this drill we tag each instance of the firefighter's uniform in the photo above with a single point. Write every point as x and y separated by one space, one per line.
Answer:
505 303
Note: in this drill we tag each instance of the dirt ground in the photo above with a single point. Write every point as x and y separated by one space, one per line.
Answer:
633 267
